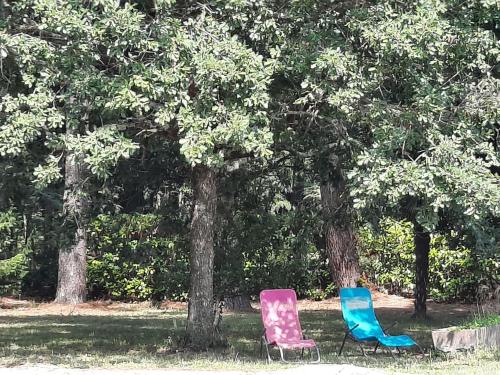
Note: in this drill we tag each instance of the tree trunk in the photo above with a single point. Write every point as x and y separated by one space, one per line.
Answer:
339 236
200 326
237 303
3 11
71 281
422 241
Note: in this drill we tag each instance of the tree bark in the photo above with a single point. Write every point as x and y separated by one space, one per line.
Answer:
3 11
422 242
339 236
200 330
72 274
237 303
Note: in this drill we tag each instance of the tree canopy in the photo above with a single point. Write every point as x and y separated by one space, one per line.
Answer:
254 135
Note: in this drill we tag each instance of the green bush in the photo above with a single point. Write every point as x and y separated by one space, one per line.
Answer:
14 266
133 258
269 250
481 320
387 259
12 273
29 244
140 257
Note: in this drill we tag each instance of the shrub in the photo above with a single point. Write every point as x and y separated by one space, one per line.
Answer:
134 258
477 321
140 257
15 263
12 273
387 259
269 250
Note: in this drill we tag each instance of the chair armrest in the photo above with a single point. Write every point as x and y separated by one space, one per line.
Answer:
353 328
386 330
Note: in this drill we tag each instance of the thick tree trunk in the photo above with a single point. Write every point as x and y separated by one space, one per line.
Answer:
200 327
422 241
339 236
71 281
342 256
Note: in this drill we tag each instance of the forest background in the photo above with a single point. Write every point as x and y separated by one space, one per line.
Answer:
155 150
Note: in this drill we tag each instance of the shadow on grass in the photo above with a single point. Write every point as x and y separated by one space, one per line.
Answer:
153 339
104 335
327 329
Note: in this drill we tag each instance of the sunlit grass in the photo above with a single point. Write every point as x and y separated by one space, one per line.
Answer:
153 339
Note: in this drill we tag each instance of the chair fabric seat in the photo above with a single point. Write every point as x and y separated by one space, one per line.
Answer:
362 324
365 338
280 318
307 344
396 341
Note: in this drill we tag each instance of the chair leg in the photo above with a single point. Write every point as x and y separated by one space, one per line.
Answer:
390 351
362 350
399 350
420 348
263 342
376 347
343 343
282 354
318 360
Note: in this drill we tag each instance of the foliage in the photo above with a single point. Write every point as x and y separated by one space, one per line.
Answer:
401 96
480 321
60 85
267 236
132 259
434 119
12 273
275 253
387 259
10 229
231 97
14 264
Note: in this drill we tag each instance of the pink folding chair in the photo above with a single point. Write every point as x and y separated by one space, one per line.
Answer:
280 317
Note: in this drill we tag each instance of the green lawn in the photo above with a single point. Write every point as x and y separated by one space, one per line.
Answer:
151 338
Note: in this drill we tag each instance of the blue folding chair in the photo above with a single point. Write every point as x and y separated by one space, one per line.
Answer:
362 324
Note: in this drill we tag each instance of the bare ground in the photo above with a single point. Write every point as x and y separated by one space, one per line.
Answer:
389 304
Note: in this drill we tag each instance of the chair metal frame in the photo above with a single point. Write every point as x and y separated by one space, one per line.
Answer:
349 334
267 344
378 344
275 343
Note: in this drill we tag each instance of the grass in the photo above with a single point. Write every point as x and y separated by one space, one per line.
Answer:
478 321
150 338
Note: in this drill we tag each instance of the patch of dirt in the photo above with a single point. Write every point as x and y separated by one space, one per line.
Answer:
391 303
173 305
12 303
380 300
101 307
